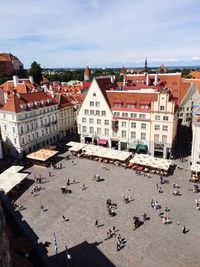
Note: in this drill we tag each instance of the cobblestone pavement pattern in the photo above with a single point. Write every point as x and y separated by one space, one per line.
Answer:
152 244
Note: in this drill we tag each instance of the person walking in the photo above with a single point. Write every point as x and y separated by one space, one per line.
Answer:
183 229
49 174
96 223
42 208
63 218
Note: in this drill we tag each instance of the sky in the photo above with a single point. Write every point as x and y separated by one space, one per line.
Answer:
101 33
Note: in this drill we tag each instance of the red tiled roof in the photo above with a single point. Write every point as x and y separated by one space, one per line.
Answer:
172 81
15 102
185 85
195 74
126 97
87 71
24 86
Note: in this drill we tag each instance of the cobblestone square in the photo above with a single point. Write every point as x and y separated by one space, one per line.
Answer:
153 244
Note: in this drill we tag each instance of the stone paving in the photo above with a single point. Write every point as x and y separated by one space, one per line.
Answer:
152 244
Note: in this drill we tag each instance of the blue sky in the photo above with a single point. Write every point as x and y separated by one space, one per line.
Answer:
101 33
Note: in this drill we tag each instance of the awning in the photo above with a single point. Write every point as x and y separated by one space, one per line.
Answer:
11 177
42 154
102 141
132 146
141 147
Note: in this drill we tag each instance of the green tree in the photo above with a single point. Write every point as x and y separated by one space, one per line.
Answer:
36 72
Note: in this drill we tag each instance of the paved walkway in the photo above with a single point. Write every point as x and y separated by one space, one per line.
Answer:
152 244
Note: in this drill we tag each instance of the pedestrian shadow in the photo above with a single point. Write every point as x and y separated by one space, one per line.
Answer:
101 225
186 231
45 210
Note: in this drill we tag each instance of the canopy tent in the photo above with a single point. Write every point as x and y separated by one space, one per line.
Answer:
146 160
42 154
195 167
132 146
104 152
75 146
10 178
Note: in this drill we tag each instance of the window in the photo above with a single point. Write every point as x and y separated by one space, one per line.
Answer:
22 140
98 121
97 104
162 108
84 129
143 136
131 106
103 113
91 130
133 135
13 129
133 124
157 118
91 103
98 112
106 131
123 133
4 116
98 130
15 141
165 118
37 135
142 116
91 120
27 127
106 122
143 125
22 130
91 112
124 114
86 111
94 94
165 128
5 127
83 120
133 115
29 138
123 123
164 138
117 114
42 132
156 137
157 127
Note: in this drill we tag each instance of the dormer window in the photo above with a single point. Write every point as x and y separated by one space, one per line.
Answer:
118 103
131 104
162 108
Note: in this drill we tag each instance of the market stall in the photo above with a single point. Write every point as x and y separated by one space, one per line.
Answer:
11 177
42 157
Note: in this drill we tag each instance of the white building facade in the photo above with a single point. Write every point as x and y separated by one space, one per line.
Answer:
126 120
28 122
195 156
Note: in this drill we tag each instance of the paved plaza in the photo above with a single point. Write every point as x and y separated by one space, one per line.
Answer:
152 244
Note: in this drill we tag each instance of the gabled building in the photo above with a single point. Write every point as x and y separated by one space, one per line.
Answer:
127 120
28 122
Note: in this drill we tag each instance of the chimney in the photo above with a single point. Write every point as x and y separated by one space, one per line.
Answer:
124 80
31 79
156 79
15 80
147 79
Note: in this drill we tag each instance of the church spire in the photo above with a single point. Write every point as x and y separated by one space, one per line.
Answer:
145 66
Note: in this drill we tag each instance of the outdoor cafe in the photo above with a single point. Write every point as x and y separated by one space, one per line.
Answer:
43 157
147 163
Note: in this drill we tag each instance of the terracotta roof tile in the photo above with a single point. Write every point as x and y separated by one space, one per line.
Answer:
195 74
15 102
126 97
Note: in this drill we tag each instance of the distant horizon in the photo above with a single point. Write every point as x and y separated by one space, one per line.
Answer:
150 67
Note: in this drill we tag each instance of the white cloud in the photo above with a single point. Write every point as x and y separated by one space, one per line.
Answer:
73 32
